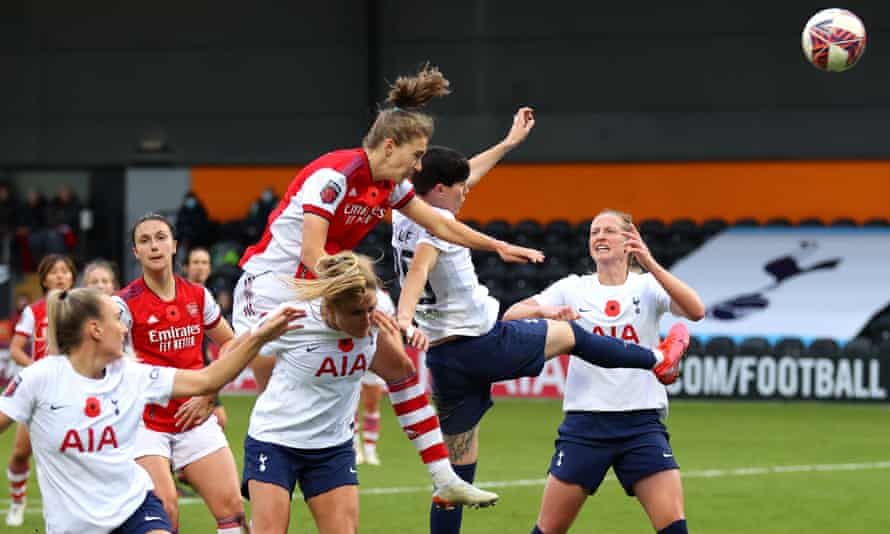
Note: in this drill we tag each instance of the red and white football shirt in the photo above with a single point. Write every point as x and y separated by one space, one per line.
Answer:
168 334
337 186
33 325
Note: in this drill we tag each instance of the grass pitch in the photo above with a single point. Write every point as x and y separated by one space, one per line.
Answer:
747 467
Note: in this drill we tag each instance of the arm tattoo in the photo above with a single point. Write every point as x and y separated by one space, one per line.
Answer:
459 444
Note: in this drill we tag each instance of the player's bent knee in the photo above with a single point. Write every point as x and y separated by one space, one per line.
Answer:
230 506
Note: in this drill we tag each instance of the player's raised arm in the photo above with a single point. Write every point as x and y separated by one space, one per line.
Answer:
213 377
460 234
480 164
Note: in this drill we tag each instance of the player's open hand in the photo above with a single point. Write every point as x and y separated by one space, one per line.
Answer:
413 336
280 321
516 254
194 411
386 325
560 313
634 245
523 122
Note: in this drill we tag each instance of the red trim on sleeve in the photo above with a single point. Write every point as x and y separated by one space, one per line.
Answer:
214 323
315 210
407 198
23 334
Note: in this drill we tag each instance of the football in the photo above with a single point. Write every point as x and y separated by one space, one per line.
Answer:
833 40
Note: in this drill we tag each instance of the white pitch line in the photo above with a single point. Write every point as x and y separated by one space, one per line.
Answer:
707 473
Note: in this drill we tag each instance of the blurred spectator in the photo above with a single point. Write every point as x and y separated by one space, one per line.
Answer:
30 224
197 265
63 219
192 223
259 214
225 301
7 210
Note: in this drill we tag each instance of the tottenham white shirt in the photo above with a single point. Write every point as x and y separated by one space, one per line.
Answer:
82 432
454 302
631 312
311 398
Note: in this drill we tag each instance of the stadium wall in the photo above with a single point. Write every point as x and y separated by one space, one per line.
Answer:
700 190
280 82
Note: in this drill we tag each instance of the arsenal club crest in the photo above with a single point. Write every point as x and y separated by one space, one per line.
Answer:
192 308
330 192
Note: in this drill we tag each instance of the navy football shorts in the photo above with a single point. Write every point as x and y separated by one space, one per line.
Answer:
315 470
463 370
584 460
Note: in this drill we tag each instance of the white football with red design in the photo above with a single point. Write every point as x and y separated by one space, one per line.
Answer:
833 40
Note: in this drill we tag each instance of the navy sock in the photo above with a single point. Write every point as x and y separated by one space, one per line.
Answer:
677 527
447 521
536 530
610 352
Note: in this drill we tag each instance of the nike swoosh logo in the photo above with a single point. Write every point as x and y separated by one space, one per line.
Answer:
313 348
582 310
667 455
352 470
53 407
152 518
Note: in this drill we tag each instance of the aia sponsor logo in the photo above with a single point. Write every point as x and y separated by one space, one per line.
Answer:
624 333
330 366
89 440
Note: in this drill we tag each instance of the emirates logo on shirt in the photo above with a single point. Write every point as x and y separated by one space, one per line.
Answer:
175 337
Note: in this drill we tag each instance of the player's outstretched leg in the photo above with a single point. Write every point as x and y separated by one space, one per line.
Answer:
608 352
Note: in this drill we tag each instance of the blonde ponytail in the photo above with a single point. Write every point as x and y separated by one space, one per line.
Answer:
66 312
340 278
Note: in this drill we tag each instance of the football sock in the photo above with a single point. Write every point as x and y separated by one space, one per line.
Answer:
609 352
371 429
231 525
421 425
448 520
677 527
18 474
